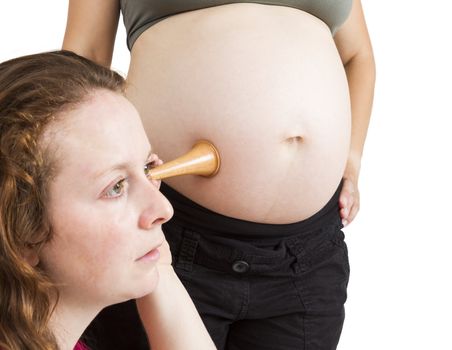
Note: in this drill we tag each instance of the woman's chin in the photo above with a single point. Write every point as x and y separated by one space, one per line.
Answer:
144 286
149 284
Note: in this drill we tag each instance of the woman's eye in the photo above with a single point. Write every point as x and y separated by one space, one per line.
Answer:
147 172
148 167
116 190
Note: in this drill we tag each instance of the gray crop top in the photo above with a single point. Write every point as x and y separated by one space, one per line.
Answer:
139 15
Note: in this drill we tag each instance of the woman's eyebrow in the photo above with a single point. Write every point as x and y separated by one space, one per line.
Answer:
119 166
149 154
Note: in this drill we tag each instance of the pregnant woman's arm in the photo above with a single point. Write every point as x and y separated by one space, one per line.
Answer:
355 49
91 29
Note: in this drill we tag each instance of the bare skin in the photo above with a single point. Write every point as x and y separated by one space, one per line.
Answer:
275 101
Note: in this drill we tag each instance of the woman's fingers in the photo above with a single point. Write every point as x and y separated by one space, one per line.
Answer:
348 201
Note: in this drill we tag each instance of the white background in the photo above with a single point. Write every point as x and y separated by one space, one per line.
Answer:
400 247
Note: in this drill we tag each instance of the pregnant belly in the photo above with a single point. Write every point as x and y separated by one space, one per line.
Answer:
266 85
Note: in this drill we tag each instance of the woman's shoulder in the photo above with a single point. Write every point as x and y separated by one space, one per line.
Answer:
80 346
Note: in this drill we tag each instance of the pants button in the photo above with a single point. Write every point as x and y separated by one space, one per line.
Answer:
240 266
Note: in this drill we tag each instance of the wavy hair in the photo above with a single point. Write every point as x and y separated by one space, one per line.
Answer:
35 90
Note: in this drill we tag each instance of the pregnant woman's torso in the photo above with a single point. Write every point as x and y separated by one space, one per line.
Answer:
266 85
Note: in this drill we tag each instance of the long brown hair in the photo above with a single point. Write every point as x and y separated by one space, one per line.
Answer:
34 91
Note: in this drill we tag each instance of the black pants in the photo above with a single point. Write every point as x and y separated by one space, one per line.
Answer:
256 286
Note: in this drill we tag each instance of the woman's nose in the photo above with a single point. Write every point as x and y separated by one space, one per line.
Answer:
157 211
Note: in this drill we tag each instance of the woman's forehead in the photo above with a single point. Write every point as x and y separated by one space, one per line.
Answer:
103 130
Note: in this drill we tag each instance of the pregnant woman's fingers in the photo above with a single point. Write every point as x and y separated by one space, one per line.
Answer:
348 201
355 208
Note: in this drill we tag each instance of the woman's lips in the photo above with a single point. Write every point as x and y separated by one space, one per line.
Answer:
152 255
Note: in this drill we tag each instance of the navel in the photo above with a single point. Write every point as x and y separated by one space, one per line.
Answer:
294 139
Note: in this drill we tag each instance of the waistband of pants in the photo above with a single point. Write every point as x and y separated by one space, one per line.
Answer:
188 213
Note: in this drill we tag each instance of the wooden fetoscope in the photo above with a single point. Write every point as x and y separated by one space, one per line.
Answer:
203 159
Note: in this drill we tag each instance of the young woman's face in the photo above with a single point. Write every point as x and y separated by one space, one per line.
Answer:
106 213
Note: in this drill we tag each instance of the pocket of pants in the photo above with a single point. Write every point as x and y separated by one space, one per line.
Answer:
323 284
339 240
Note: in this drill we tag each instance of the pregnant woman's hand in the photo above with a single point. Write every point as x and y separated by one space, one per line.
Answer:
349 201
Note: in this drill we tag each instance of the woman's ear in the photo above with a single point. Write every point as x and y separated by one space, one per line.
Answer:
32 257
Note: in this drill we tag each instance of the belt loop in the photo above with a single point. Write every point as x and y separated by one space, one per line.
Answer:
187 250
299 253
